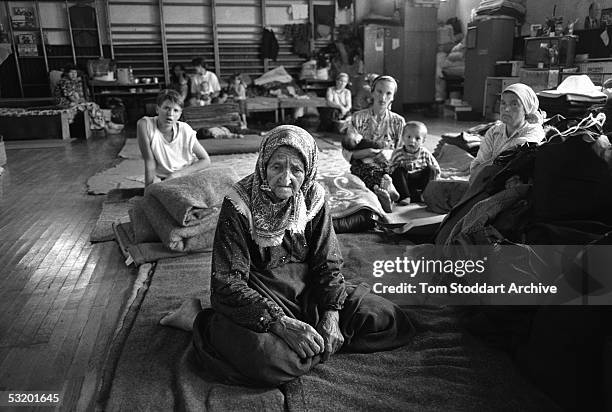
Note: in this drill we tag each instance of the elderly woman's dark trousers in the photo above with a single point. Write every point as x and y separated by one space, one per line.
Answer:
237 355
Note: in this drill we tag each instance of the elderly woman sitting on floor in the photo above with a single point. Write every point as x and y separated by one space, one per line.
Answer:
169 147
280 304
521 122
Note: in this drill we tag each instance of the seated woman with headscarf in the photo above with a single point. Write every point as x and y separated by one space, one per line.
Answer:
371 138
71 94
338 98
521 122
280 304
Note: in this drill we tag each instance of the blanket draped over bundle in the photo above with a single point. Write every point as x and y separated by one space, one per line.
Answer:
183 212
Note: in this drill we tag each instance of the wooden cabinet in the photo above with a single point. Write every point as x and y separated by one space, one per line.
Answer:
417 82
488 40
492 94
406 53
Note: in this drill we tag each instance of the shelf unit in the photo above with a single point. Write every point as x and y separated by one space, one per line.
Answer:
163 32
33 70
166 36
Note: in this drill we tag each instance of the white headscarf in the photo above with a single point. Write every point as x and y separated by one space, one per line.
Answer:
529 100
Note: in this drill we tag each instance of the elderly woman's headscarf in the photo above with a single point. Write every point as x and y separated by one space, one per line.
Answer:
529 100
269 220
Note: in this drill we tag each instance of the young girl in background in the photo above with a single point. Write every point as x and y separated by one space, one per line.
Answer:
237 91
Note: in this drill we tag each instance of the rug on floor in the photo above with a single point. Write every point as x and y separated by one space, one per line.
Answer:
214 147
112 212
443 365
129 173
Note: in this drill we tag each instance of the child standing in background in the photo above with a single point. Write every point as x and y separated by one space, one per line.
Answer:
237 91
413 166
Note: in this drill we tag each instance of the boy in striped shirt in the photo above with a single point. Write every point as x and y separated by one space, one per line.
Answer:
412 165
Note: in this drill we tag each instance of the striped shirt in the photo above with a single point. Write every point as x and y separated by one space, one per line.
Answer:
386 132
414 161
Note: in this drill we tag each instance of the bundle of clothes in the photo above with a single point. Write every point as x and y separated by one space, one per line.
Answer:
454 63
562 196
182 218
574 97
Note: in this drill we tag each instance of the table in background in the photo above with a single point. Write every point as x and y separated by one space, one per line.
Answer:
137 94
295 103
262 104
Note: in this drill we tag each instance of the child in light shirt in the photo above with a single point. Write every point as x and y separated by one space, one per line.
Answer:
412 165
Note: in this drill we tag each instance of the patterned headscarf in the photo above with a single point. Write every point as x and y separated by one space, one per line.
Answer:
529 100
269 220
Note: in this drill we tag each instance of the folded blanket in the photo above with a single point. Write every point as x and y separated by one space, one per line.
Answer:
346 194
143 231
187 199
140 253
195 238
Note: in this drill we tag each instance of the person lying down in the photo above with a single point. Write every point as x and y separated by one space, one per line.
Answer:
280 304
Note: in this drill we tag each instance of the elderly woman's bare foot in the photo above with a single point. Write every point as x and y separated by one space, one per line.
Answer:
183 317
383 198
386 183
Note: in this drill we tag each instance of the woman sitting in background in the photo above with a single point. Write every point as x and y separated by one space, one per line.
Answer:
71 94
169 147
339 98
521 122
179 80
372 136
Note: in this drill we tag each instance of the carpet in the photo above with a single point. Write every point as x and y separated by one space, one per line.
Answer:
37 144
130 172
444 367
113 211
215 147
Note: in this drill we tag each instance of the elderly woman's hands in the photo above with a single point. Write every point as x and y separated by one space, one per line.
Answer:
300 336
329 328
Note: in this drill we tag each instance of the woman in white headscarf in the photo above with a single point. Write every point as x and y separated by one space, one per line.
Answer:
280 304
521 122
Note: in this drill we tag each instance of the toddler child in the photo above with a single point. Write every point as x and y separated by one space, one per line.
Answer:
413 166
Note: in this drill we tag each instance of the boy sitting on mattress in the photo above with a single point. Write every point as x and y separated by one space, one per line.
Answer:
168 146
412 165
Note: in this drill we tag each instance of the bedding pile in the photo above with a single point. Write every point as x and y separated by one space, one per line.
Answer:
183 212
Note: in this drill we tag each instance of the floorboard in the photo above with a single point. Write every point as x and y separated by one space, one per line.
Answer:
60 296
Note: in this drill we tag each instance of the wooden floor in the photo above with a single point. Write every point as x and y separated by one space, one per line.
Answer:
60 296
